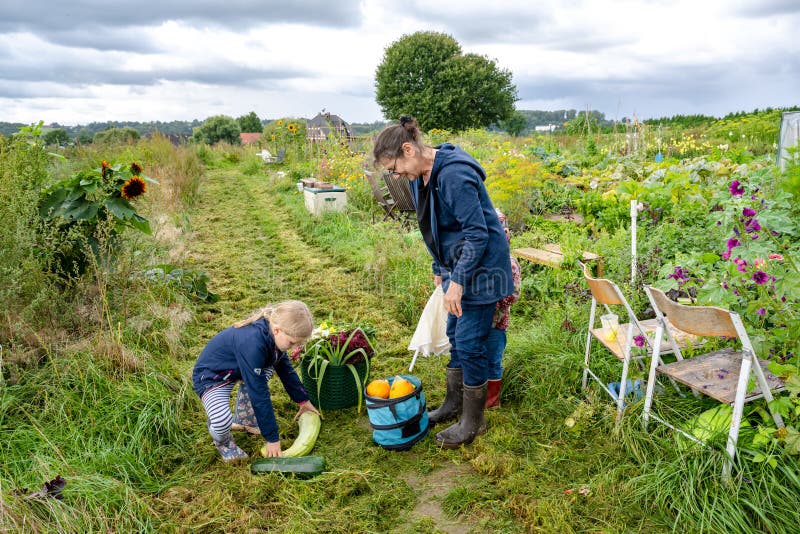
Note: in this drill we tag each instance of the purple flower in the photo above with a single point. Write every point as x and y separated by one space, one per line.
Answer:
736 231
752 226
733 243
754 237
761 311
719 223
748 212
726 255
760 277
736 292
679 274
736 188
639 341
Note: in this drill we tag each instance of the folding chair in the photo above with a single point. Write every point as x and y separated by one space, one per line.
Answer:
722 375
607 293
381 195
400 190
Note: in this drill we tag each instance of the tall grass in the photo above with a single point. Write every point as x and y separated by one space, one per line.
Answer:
115 436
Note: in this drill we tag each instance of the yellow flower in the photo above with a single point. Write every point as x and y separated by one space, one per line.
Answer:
280 122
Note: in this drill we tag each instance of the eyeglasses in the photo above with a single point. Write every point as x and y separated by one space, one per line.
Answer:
393 170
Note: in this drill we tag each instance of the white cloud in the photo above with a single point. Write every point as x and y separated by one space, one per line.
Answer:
82 61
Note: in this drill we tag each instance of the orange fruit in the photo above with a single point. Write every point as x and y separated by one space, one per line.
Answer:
378 388
400 387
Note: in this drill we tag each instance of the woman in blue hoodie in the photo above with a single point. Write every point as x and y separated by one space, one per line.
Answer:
250 351
470 260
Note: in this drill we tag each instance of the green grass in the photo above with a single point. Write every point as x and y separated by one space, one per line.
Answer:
132 444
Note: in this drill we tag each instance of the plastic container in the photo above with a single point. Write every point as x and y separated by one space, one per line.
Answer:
610 322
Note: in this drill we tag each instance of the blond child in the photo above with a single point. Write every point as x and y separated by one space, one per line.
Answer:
250 351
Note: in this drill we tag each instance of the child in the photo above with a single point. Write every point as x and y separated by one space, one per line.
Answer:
250 351
496 342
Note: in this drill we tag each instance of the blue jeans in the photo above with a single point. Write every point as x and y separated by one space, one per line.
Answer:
468 335
495 346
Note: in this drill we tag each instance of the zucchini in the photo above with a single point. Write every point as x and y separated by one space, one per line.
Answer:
301 467
309 425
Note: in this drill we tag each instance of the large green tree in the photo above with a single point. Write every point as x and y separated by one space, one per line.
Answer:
426 75
218 128
250 123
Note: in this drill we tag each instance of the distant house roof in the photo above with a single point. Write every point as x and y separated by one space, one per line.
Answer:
321 126
248 138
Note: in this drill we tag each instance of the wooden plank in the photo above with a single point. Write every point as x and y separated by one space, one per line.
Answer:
617 345
543 257
716 374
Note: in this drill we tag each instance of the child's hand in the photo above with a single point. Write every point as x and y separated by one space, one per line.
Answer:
271 450
306 406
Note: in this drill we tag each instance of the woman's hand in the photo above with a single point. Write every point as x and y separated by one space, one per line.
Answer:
273 449
306 406
452 299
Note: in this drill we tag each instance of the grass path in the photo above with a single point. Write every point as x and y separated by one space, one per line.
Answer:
253 254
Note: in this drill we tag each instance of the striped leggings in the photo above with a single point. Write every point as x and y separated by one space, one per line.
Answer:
217 402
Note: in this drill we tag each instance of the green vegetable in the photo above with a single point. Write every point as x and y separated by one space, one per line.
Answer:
302 467
309 424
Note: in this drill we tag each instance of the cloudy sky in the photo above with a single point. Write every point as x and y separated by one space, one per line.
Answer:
79 61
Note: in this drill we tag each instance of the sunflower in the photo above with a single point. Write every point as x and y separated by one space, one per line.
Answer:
136 169
133 188
292 128
280 122
105 167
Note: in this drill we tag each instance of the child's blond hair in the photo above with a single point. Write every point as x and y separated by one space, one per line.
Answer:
291 316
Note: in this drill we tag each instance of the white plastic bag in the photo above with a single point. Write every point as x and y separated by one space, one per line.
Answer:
430 337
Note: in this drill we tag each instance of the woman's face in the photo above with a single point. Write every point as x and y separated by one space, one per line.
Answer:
404 165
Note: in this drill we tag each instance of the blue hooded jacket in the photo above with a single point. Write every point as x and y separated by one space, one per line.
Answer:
469 246
249 354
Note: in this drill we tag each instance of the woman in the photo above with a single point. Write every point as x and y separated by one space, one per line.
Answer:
470 260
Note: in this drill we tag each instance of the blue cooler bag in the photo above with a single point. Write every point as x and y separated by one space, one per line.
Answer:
397 424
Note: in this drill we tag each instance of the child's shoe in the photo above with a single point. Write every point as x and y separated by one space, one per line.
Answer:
230 451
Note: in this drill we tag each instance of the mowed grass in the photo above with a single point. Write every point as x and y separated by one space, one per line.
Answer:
137 458
259 245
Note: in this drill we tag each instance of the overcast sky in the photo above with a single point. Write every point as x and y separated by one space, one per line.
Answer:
78 61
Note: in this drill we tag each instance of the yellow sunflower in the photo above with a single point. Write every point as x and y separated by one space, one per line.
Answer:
133 188
292 128
280 122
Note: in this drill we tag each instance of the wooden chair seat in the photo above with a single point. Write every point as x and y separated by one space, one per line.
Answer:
716 374
617 345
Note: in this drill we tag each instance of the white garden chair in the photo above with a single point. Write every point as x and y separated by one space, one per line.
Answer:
722 375
607 293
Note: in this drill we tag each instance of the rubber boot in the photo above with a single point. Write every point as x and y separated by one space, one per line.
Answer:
227 448
244 417
472 422
451 406
493 393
